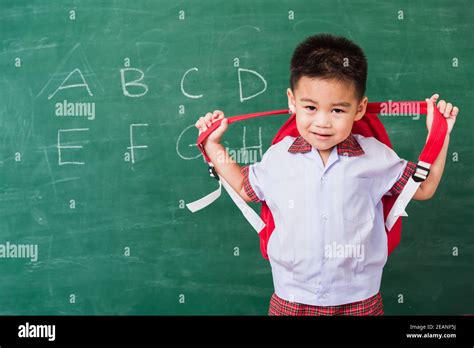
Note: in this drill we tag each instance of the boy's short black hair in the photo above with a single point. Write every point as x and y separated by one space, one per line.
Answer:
330 57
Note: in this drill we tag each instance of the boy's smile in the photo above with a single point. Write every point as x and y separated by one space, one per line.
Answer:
325 111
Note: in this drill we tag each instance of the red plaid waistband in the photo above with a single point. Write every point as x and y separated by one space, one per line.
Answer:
371 306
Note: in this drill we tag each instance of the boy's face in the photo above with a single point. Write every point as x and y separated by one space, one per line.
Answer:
325 110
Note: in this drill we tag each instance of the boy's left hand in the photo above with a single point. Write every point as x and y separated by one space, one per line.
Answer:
447 109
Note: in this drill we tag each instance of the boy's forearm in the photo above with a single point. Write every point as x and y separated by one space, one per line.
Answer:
430 185
225 166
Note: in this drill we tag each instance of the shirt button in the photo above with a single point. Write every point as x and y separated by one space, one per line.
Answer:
324 217
323 178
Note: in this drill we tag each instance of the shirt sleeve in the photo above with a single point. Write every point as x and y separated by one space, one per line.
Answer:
408 169
251 189
256 175
396 172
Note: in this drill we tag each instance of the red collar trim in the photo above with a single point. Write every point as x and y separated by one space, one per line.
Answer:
349 147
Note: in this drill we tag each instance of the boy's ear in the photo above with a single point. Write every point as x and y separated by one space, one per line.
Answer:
291 100
361 108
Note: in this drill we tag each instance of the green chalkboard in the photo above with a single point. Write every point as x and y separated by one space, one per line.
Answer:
97 105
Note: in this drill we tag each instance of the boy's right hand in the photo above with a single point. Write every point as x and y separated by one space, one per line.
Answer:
205 122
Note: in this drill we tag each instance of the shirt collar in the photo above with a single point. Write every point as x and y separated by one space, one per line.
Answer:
348 147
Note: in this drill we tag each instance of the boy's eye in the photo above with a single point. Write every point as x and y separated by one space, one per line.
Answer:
338 111
310 108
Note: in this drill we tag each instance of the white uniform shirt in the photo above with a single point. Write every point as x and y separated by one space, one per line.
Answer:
329 245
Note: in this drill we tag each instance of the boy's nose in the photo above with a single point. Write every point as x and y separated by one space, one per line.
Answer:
321 121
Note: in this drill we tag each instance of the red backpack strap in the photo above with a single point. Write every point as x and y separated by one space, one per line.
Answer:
203 136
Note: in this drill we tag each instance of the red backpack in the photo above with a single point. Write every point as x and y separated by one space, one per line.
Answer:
368 126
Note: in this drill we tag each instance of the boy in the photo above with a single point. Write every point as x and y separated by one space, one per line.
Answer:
324 188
